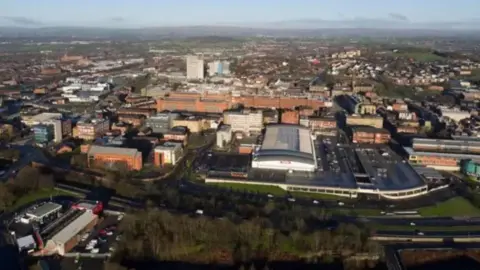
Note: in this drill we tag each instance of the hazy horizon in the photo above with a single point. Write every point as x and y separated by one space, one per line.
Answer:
124 14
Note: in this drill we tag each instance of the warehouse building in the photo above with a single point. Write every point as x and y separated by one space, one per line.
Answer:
369 170
68 237
442 154
436 160
286 147
42 212
447 146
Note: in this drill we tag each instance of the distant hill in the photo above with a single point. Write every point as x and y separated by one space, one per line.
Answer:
156 33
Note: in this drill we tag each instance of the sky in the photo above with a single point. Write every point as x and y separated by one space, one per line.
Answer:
155 13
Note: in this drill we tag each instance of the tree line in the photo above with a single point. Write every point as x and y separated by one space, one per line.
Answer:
28 180
163 236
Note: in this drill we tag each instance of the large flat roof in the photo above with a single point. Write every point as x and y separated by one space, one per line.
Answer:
105 150
282 141
73 228
44 209
388 172
457 141
411 152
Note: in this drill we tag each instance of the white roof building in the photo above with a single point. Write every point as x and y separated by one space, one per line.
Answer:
286 147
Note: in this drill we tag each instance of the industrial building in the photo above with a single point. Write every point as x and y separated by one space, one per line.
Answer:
42 212
192 104
279 102
286 147
442 154
109 157
342 170
457 146
198 103
68 237
247 121
224 136
161 122
168 153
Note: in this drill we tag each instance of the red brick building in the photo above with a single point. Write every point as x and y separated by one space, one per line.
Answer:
369 135
290 117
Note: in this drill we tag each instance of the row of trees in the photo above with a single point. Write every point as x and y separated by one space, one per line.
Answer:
164 236
28 180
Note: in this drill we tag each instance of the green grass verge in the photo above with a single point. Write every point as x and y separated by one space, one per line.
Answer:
425 228
37 195
276 191
457 206
355 212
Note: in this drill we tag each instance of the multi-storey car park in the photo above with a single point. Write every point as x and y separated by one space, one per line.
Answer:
290 159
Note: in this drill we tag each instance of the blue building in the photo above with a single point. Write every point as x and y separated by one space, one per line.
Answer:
43 134
471 168
220 68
